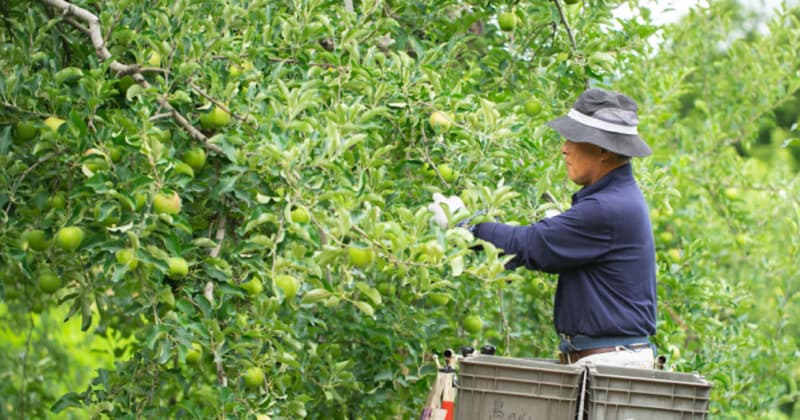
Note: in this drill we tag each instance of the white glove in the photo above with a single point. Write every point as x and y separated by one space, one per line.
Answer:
453 203
551 213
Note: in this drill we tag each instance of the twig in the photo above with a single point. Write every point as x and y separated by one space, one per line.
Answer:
386 252
18 109
77 25
294 61
160 116
112 26
22 389
208 292
528 39
219 237
426 156
13 189
96 36
690 335
563 18
674 315
216 102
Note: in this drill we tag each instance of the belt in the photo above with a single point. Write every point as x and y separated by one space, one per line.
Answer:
574 356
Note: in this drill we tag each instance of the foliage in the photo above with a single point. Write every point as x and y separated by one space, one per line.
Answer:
330 112
728 301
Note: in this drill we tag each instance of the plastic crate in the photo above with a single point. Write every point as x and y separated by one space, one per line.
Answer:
643 394
492 387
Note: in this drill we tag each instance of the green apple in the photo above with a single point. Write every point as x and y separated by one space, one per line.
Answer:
387 288
507 21
742 239
473 324
167 203
440 121
195 157
115 153
127 256
95 164
533 107
167 298
154 59
236 70
57 200
439 299
124 83
360 256
36 240
49 282
139 200
69 238
253 287
447 172
194 354
216 118
288 284
300 215
25 131
178 267
732 193
253 377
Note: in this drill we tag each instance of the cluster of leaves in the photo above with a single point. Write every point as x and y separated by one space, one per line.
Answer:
726 226
283 263
318 160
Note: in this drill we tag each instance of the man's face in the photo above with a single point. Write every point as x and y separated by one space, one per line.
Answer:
583 160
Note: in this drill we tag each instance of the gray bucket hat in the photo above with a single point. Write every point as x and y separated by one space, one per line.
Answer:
605 119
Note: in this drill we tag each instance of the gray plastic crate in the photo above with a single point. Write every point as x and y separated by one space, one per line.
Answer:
492 387
643 394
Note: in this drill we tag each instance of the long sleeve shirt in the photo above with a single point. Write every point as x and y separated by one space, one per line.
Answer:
603 251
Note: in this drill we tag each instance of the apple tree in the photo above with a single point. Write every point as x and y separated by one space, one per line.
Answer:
234 194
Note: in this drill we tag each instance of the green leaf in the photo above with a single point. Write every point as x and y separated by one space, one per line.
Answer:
68 400
134 91
364 307
372 294
315 295
457 265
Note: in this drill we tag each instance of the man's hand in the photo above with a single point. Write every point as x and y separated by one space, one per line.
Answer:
453 203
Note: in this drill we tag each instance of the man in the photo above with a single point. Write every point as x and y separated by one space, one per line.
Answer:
602 247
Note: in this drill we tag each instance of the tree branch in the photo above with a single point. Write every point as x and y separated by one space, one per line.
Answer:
219 104
16 185
563 18
564 22
69 10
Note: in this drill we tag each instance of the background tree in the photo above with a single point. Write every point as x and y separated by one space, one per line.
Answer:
249 181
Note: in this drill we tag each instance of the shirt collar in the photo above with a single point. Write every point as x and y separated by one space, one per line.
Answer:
618 174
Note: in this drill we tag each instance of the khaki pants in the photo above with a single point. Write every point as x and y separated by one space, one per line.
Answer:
638 358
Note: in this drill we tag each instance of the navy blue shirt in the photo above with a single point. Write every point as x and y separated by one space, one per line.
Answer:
602 249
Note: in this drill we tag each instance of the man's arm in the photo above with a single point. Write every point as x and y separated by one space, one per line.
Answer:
576 237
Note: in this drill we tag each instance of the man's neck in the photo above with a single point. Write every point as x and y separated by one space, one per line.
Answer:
605 170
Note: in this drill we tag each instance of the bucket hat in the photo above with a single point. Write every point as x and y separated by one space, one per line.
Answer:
606 119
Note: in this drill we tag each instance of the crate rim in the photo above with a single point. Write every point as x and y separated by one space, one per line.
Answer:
701 381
